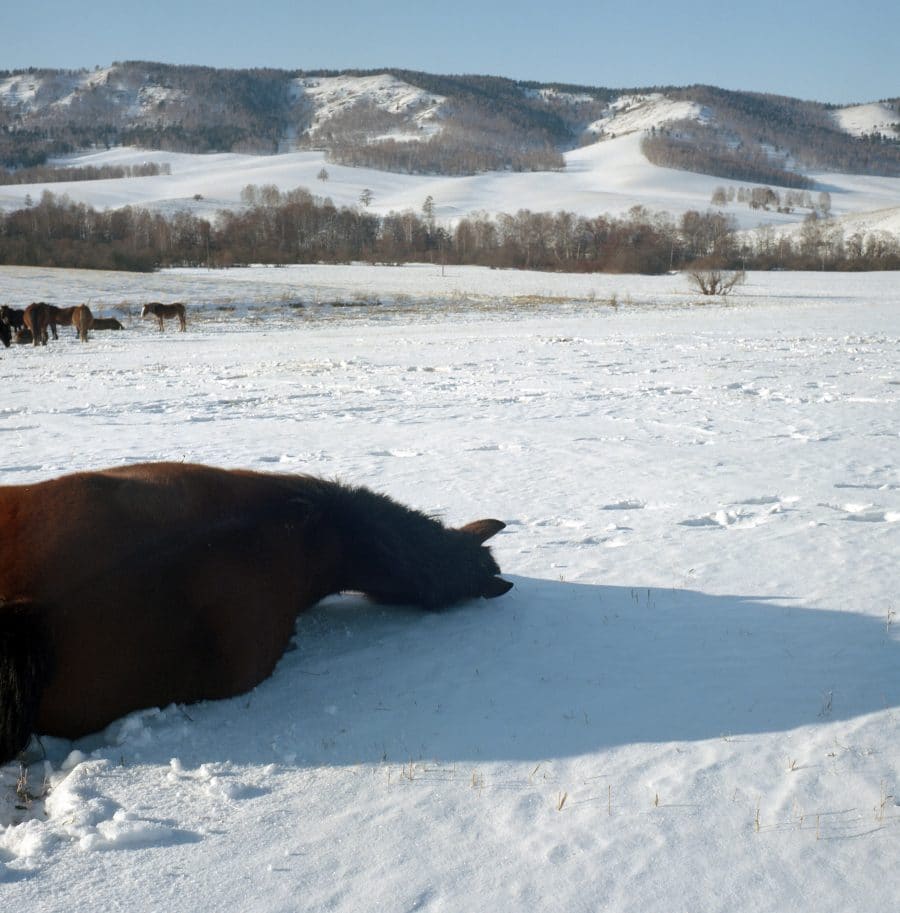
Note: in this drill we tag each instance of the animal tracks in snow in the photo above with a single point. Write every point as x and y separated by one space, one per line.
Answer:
744 515
864 513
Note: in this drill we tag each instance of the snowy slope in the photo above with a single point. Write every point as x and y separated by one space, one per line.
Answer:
688 701
606 177
863 120
639 113
333 95
34 91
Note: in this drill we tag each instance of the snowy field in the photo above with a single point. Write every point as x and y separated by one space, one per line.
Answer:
689 701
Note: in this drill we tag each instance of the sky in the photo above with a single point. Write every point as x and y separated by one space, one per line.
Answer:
827 51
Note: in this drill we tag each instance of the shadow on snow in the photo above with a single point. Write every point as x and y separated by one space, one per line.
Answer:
552 670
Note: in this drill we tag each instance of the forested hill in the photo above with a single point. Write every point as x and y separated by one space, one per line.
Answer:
413 122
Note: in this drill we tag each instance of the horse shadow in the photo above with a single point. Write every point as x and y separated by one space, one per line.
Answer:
553 669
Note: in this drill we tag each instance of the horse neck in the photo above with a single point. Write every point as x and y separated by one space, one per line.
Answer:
395 554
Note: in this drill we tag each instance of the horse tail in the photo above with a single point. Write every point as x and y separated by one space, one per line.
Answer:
24 671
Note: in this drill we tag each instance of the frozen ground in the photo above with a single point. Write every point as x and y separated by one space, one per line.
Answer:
689 700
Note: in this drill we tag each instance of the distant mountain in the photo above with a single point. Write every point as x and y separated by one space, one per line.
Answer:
397 120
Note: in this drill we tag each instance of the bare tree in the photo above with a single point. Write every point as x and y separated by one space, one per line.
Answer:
715 281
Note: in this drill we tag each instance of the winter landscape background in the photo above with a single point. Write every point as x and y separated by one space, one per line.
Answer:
688 701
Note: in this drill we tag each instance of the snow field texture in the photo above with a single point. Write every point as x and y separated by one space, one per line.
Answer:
689 699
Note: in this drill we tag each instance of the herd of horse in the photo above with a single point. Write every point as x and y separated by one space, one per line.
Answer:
37 322
181 583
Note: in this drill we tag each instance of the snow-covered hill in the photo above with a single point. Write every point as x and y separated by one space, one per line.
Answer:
604 170
865 120
201 109
610 177
639 113
334 95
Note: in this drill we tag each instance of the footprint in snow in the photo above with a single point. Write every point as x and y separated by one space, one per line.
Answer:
738 517
865 513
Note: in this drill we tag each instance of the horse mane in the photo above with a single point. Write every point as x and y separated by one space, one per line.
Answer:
25 666
398 554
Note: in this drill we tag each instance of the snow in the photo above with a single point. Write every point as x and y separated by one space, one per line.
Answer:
639 113
332 95
550 93
690 696
863 120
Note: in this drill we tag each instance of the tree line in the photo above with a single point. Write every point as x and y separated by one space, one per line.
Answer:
804 132
297 227
48 174
690 146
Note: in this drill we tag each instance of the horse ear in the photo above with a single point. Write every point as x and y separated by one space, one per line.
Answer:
482 530
495 587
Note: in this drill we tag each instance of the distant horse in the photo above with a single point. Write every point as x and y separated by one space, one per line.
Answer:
163 311
165 582
39 317
61 317
82 320
15 317
107 323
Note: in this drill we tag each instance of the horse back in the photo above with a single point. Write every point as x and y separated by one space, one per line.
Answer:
159 584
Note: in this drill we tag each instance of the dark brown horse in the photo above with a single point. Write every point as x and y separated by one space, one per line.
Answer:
14 317
107 323
5 333
163 311
157 583
82 320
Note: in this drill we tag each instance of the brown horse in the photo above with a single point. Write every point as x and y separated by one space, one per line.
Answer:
61 317
163 582
39 317
163 311
82 320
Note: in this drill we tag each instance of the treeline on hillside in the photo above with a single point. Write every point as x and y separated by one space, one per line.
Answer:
689 146
46 174
456 150
296 227
199 109
470 142
804 129
488 123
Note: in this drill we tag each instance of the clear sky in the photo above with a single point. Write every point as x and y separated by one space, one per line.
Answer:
832 51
